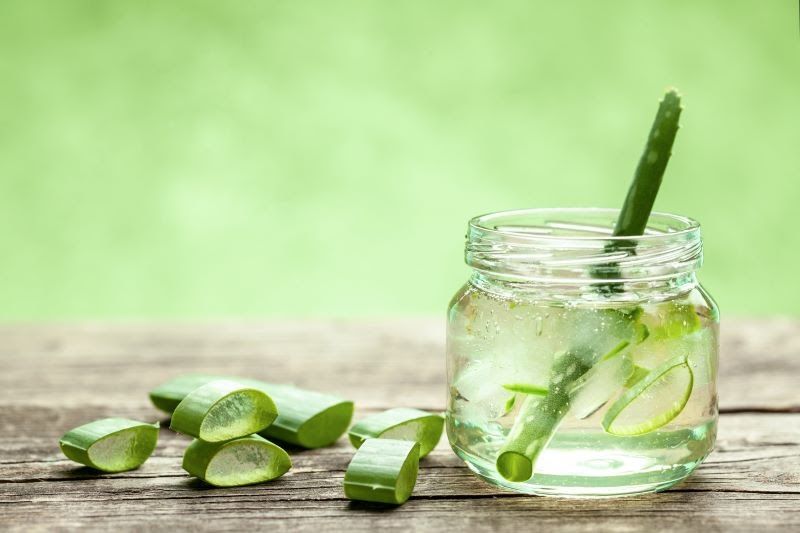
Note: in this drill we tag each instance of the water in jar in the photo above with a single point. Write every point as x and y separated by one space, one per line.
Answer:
633 388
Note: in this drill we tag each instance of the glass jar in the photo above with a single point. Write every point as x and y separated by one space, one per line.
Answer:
579 363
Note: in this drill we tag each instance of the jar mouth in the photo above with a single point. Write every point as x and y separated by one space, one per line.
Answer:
571 244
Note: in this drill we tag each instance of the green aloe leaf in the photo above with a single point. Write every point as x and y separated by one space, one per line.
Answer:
243 461
111 444
401 423
383 471
305 418
223 410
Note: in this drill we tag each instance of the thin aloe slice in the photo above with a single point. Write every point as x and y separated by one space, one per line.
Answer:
305 418
383 471
243 461
401 423
597 386
526 388
223 410
111 444
654 401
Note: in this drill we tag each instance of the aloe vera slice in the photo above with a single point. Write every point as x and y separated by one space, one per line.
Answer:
654 401
243 461
383 471
400 423
305 418
223 410
526 388
110 444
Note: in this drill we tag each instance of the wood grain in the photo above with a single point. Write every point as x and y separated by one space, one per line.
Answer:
57 376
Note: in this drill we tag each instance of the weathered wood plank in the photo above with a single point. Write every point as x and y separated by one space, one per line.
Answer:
57 376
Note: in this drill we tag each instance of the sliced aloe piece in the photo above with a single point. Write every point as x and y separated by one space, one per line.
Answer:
526 388
597 386
401 423
383 471
305 418
652 402
111 444
223 410
243 461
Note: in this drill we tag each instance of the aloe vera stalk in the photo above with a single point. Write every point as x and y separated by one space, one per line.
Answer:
401 423
111 444
383 471
223 410
305 418
535 426
243 461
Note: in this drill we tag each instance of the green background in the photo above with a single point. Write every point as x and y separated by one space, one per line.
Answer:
244 158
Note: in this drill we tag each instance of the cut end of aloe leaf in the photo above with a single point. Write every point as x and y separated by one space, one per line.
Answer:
383 471
111 444
244 461
652 402
401 424
223 410
514 466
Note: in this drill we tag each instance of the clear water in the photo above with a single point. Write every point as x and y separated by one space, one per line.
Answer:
494 341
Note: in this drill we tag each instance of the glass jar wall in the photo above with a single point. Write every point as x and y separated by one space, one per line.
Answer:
581 364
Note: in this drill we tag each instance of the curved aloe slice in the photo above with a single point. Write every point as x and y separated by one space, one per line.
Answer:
383 471
110 444
305 418
401 423
223 410
243 461
652 402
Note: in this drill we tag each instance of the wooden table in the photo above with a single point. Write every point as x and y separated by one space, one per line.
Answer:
54 377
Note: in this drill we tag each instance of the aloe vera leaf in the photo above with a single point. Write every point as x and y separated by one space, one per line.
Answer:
401 423
538 418
518 456
223 410
383 471
243 461
110 444
638 374
525 388
305 418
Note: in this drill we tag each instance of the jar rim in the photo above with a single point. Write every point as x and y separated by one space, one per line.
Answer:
680 225
577 246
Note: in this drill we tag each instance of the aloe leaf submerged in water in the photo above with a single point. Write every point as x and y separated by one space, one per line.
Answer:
539 418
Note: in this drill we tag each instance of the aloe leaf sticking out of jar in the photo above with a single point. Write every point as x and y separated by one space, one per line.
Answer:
539 418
